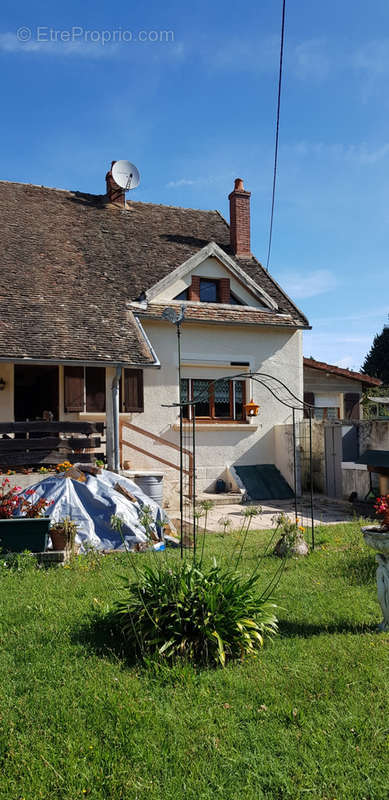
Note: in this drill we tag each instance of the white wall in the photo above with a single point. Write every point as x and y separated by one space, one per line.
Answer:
271 350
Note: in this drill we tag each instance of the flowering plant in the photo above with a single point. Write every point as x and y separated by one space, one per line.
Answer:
382 504
11 501
36 509
290 530
64 466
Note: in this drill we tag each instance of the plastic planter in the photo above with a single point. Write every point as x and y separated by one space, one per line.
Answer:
23 533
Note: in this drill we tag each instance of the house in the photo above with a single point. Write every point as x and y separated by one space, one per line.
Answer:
334 392
85 281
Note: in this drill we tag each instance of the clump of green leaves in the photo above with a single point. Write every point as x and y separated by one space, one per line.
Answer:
205 615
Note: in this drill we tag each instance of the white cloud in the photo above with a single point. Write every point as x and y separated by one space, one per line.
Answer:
301 285
244 55
311 60
9 43
206 180
180 182
372 57
345 362
50 44
360 153
377 313
308 59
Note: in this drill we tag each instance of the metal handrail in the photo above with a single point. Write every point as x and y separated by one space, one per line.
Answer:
122 441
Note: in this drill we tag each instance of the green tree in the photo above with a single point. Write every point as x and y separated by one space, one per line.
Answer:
376 362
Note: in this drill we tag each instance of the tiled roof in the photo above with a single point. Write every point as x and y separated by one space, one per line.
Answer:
344 373
222 314
70 262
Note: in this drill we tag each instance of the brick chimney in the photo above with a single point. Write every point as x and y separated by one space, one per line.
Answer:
115 193
240 219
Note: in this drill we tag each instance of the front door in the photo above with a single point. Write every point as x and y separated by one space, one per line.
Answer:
36 392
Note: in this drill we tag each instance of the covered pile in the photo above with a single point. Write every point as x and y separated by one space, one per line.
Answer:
90 500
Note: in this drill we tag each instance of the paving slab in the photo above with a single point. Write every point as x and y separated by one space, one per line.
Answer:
327 511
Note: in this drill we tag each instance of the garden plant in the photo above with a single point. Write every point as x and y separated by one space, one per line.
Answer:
81 717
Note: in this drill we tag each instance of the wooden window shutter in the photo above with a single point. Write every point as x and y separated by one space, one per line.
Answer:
74 388
194 289
351 405
309 398
224 290
95 389
133 390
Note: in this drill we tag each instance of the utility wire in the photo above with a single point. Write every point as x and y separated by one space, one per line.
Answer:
277 133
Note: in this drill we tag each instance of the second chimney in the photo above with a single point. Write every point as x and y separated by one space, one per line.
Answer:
240 220
115 193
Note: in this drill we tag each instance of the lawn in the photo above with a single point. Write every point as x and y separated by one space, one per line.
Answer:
308 719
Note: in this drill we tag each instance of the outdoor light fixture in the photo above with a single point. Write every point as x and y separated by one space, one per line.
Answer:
2 384
252 408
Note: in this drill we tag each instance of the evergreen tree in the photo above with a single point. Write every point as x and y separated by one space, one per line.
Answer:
376 362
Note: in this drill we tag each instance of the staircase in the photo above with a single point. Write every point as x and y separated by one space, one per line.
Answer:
264 482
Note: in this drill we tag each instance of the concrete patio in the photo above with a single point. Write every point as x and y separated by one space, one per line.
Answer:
327 511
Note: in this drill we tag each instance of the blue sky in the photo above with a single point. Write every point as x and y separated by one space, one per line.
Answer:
196 111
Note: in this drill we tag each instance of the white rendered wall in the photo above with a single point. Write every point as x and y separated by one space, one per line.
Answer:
275 351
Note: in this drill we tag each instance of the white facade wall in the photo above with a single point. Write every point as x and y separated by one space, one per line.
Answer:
207 351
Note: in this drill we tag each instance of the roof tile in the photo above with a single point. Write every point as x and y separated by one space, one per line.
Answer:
71 262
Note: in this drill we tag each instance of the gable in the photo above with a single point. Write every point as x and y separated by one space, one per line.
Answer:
69 289
212 263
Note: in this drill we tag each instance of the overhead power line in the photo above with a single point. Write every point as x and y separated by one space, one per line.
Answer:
277 133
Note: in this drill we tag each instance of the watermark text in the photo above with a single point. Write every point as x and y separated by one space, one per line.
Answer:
43 33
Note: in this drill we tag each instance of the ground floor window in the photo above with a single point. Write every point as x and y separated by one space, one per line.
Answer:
216 400
85 390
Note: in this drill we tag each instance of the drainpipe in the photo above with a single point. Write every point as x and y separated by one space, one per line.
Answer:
115 419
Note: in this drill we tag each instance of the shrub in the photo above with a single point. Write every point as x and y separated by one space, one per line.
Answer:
206 615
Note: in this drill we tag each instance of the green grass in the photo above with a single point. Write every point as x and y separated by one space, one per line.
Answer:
309 718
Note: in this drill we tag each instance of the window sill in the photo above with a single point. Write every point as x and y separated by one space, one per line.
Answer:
98 416
217 426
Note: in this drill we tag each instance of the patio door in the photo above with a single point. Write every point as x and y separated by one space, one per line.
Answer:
36 392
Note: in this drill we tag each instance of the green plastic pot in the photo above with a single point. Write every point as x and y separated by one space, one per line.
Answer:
22 533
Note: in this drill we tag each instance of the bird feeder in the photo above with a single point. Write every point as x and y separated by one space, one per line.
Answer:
252 408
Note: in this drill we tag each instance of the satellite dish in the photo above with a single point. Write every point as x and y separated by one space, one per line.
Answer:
126 175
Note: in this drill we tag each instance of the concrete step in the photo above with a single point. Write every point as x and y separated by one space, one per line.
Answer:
222 499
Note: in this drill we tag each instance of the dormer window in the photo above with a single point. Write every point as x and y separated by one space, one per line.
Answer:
209 290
